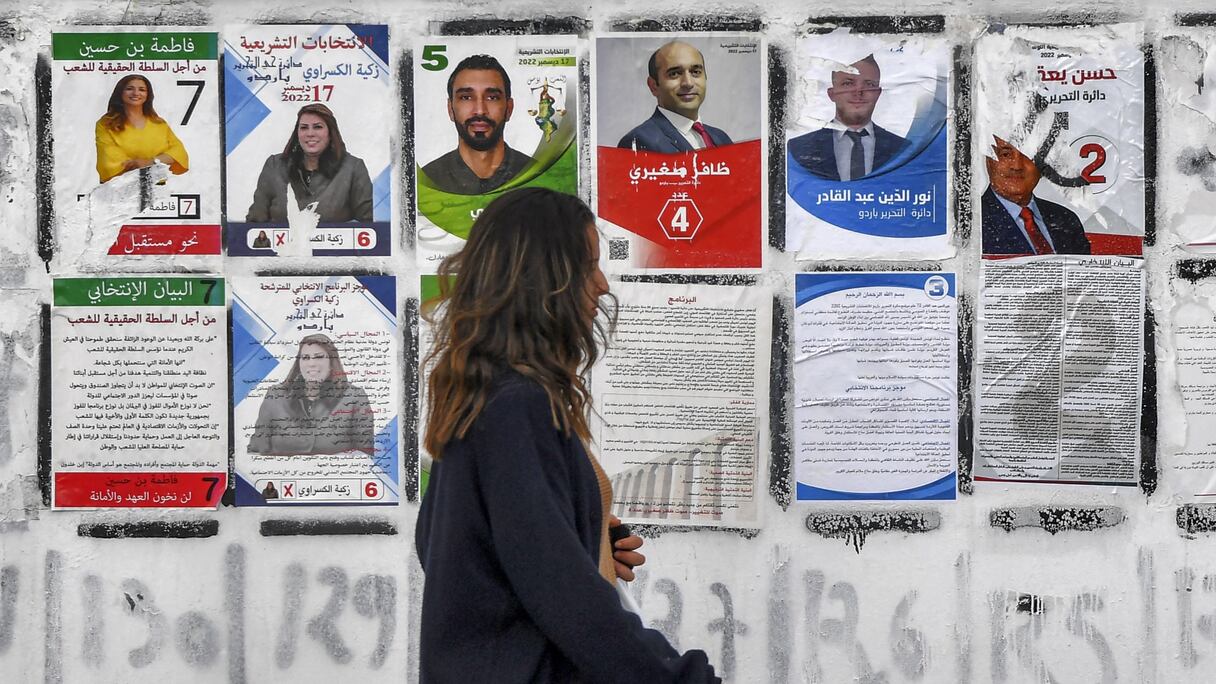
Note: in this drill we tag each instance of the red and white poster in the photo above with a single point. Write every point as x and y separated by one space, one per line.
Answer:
678 121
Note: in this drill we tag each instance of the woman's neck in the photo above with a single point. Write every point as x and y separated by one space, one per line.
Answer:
312 163
135 116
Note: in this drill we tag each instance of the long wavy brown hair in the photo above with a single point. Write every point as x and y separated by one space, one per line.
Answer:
115 117
514 298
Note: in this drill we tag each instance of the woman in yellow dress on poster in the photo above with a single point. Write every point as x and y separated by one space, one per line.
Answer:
131 135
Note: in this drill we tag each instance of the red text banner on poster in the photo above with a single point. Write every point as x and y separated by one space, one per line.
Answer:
702 209
139 490
167 239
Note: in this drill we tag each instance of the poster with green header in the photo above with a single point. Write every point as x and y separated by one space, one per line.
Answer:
139 393
509 119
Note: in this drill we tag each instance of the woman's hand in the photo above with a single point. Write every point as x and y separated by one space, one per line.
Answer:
625 552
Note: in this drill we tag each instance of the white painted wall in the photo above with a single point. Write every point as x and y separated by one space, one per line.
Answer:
1132 602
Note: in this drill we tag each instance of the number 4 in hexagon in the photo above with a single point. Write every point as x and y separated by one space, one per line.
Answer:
680 218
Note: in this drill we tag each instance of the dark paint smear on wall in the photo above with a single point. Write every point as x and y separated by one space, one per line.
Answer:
410 401
44 404
853 528
962 145
321 527
780 374
932 23
966 354
736 279
1194 270
1150 144
650 531
44 169
1196 19
686 23
405 202
1055 519
1196 518
548 25
778 81
1148 409
150 529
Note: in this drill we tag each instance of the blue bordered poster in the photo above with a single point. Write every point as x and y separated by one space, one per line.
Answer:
875 382
866 150
307 131
314 364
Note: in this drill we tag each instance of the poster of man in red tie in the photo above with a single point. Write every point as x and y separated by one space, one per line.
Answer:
678 122
1060 138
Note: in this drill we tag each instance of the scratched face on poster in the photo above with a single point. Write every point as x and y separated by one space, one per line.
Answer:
866 148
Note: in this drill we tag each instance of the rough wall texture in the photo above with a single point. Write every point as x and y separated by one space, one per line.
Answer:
1009 584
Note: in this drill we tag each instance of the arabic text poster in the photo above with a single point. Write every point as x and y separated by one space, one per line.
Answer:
136 134
866 151
494 113
678 121
139 390
681 426
1060 140
876 386
314 369
307 140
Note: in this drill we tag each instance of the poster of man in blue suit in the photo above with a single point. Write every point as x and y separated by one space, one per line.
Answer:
866 148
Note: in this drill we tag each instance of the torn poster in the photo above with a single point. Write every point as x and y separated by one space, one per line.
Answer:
314 369
1187 135
682 392
309 167
513 102
875 386
138 415
136 132
1188 445
867 146
1060 140
1059 362
678 121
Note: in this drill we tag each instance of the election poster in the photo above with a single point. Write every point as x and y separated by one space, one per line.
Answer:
876 386
138 392
867 148
492 113
307 140
678 122
1188 370
681 398
1059 136
315 408
135 121
1059 367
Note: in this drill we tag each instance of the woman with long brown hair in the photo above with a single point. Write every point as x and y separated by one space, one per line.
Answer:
513 531
320 171
131 135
